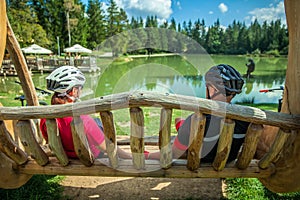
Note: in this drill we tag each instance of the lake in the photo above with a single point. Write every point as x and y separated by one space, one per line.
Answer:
168 74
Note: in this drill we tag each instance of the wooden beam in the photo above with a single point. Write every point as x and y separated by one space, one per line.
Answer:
3 29
19 61
153 99
152 169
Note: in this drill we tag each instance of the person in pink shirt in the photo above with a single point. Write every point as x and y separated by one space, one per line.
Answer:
67 83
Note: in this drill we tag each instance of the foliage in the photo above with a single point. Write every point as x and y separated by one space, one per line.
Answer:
45 22
38 187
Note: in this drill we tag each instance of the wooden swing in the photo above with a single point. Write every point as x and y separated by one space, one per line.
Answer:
278 169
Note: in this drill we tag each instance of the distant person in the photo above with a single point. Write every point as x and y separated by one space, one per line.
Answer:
67 83
223 82
250 67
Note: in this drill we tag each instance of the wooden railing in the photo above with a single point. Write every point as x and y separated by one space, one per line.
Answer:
33 159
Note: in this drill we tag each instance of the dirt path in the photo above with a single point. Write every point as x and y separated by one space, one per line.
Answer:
116 188
108 188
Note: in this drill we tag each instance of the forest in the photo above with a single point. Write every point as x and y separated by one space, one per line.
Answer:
57 24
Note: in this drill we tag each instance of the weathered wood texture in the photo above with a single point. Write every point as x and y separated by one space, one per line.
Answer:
3 29
249 147
137 137
19 61
196 138
9 147
55 143
139 166
110 138
165 138
150 99
287 176
224 144
80 142
178 170
30 143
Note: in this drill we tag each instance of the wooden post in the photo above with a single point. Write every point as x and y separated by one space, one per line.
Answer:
249 147
55 142
137 137
287 177
110 138
29 142
3 29
9 148
275 149
196 140
224 144
80 141
165 138
19 61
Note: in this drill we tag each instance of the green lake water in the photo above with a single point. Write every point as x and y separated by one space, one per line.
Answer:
168 74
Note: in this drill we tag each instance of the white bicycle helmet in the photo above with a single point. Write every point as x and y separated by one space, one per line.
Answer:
65 78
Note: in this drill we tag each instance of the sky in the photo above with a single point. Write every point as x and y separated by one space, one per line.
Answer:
224 10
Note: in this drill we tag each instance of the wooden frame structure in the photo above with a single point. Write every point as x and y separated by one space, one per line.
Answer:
278 169
34 160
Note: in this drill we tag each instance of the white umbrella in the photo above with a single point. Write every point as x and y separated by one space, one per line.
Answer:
77 49
36 49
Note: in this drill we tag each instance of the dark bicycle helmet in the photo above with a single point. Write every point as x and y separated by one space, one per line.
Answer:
225 77
65 78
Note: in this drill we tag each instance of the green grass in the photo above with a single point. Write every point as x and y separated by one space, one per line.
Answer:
38 187
252 188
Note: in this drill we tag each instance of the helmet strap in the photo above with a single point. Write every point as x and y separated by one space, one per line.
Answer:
216 94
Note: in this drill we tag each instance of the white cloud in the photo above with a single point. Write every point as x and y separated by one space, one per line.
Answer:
223 8
160 8
179 5
272 13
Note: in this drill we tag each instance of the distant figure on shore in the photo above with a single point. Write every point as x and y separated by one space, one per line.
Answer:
251 67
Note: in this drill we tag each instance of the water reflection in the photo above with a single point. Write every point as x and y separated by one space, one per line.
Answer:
168 74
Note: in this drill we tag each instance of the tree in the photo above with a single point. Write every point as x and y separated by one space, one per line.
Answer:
70 6
96 23
25 24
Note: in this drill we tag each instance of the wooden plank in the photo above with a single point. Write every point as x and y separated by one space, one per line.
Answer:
153 169
224 144
249 147
55 142
30 143
137 137
275 149
196 140
165 138
80 141
153 99
110 138
9 148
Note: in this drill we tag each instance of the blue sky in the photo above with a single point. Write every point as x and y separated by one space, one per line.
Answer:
224 10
